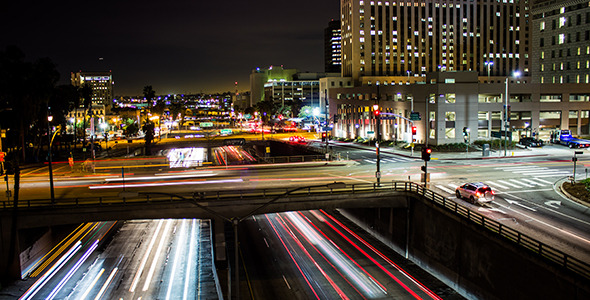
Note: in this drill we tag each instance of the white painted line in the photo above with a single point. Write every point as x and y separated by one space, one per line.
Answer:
542 180
541 172
498 185
533 182
522 183
454 186
521 168
370 161
508 183
445 189
554 175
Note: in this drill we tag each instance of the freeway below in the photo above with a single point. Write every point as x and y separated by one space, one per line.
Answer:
315 255
143 259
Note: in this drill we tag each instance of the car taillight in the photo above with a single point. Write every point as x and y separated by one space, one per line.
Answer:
478 194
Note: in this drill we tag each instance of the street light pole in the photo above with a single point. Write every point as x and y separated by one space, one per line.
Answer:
506 121
326 127
50 140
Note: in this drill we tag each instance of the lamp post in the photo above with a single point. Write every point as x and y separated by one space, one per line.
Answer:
489 64
50 140
506 121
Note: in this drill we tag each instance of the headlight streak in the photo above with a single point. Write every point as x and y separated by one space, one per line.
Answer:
92 284
158 184
383 288
107 283
292 258
35 288
145 258
179 246
73 270
313 243
370 286
315 263
160 177
190 259
157 256
402 271
68 240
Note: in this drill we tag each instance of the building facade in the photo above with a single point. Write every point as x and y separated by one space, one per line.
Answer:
101 84
561 41
450 101
333 48
408 39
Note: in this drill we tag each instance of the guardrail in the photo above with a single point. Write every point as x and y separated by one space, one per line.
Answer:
523 240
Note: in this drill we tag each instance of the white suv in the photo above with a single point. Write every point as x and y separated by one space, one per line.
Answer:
475 192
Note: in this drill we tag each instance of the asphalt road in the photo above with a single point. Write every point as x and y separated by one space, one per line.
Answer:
315 255
146 259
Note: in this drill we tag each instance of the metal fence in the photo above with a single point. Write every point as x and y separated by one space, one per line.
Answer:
543 250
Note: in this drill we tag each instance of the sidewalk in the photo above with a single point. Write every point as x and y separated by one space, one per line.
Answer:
554 150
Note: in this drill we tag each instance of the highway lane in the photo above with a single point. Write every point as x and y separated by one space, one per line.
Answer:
313 255
146 259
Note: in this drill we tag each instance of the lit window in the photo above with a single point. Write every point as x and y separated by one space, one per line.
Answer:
561 38
562 21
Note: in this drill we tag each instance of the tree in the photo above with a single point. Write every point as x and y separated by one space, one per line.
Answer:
25 89
149 94
86 96
148 129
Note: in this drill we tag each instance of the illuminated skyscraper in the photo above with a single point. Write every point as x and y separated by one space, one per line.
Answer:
332 47
100 82
410 38
561 41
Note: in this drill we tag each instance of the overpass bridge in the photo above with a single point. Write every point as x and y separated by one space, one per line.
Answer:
474 254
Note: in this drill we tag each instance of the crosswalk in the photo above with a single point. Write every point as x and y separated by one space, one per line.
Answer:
504 185
397 159
536 171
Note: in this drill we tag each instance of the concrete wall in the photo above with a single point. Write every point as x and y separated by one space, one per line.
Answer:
474 261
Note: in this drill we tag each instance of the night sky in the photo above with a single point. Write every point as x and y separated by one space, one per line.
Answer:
175 46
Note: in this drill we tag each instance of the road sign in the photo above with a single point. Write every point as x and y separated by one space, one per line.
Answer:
415 116
370 132
234 142
206 124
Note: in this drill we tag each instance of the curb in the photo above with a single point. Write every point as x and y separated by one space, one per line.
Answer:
572 197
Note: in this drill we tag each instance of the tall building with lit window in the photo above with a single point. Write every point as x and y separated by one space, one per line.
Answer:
561 41
332 47
100 82
407 39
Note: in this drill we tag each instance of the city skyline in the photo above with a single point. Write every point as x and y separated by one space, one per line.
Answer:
175 47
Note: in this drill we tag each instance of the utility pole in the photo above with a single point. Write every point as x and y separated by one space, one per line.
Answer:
326 125
377 113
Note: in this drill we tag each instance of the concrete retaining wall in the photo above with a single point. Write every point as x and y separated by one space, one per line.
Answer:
474 261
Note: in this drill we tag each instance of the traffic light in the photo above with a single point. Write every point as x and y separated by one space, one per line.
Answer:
376 111
413 130
324 136
426 154
423 168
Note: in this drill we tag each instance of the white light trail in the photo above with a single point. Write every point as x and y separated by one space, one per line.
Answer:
179 246
106 284
72 270
47 276
91 286
157 255
145 258
190 259
158 184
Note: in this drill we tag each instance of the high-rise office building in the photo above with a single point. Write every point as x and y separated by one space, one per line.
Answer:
411 38
561 41
332 47
100 82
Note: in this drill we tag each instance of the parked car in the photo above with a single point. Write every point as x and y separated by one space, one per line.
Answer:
475 192
531 142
